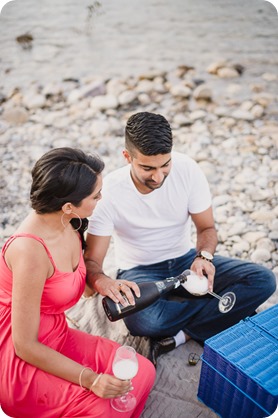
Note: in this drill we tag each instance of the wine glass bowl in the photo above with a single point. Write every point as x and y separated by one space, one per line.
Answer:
198 286
125 367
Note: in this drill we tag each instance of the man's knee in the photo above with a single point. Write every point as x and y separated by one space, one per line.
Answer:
144 324
272 282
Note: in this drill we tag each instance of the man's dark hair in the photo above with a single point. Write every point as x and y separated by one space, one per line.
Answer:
148 133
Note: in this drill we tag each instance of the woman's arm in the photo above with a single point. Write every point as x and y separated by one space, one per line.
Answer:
95 253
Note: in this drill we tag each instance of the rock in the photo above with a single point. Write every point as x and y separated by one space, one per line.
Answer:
116 86
127 97
152 74
144 86
144 99
180 91
74 96
264 99
96 88
242 114
215 66
16 115
266 243
253 236
221 200
222 111
246 105
269 76
257 111
236 228
99 128
203 91
234 89
52 89
197 114
260 255
227 72
105 102
262 216
241 247
3 126
273 235
208 169
182 120
34 100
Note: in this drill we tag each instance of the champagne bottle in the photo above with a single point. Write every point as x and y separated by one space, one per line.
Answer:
150 292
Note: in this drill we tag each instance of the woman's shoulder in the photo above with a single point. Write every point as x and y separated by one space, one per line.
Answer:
23 244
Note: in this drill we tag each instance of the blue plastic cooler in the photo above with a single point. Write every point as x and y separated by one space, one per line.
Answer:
239 374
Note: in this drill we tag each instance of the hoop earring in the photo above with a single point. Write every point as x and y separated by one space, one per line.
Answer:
80 221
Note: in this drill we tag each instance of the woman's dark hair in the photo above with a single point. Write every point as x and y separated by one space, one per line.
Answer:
148 133
64 175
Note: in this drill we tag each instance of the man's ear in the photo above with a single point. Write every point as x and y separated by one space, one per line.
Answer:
127 156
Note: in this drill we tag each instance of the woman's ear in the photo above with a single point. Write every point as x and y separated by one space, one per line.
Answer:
67 208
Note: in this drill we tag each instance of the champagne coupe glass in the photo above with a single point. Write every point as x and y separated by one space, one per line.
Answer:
125 367
198 286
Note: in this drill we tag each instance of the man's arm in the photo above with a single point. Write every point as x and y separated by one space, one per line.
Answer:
96 250
206 240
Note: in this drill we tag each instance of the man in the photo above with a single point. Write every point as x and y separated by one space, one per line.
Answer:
148 207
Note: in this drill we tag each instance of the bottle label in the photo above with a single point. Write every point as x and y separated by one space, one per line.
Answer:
160 285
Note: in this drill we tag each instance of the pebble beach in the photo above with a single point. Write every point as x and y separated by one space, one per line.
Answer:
223 112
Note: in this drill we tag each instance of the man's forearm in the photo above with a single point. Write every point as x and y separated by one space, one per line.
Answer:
207 240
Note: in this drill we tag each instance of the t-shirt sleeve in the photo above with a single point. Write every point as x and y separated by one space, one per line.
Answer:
101 223
200 195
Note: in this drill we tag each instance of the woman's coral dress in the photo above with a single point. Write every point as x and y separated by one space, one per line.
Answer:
26 391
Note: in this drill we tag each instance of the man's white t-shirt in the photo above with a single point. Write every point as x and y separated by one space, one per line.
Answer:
153 227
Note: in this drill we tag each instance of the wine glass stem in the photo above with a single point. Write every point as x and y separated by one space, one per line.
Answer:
215 295
123 398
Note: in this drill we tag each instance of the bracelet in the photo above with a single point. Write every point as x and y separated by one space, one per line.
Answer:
80 376
96 380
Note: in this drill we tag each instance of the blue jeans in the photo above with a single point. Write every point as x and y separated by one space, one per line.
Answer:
197 316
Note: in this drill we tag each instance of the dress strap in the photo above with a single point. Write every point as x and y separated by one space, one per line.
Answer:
35 237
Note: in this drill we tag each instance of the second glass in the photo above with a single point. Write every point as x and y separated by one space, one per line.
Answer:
125 367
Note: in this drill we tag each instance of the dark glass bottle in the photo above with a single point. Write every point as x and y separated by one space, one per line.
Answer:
150 292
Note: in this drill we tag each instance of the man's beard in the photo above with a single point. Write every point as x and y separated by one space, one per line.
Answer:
153 186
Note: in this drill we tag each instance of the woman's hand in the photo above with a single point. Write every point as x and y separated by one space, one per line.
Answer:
108 386
120 291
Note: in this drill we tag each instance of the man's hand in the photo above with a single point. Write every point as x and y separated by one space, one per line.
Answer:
204 268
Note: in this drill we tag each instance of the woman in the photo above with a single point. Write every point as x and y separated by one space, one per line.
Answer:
48 369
